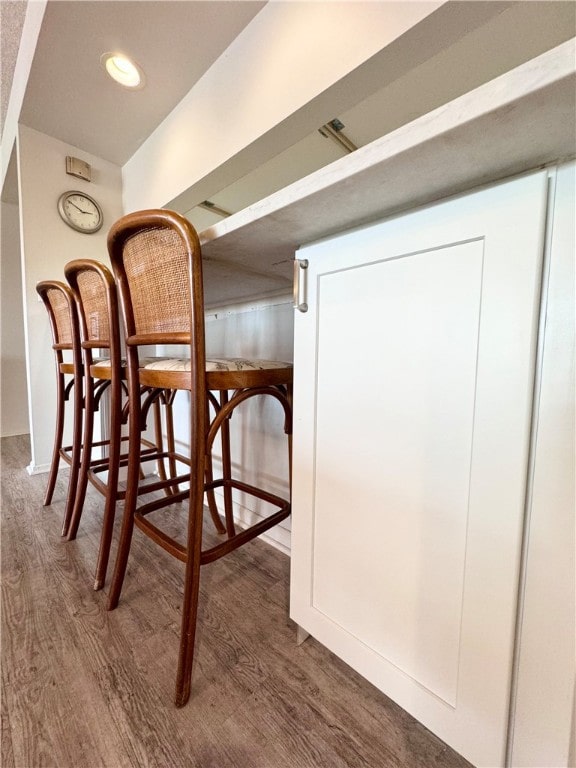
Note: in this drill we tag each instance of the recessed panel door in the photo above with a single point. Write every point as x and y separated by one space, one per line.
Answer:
414 372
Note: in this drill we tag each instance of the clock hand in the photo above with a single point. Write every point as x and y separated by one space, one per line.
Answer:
77 208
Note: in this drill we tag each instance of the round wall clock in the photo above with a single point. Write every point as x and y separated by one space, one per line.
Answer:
80 211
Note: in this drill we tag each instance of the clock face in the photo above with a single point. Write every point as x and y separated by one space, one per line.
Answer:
80 212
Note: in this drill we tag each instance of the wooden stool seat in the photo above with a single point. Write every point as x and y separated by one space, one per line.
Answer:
221 373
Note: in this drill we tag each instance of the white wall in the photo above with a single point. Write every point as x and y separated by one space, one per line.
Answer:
13 409
47 245
259 446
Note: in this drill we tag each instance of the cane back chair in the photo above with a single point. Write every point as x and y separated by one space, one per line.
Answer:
95 295
61 309
157 263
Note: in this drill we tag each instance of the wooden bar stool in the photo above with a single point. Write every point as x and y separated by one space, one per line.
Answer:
61 309
157 264
95 296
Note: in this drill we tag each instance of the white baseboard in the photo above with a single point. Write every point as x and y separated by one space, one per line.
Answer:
15 433
40 469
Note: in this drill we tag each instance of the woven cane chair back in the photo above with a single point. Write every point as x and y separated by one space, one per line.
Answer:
95 292
156 260
156 267
59 303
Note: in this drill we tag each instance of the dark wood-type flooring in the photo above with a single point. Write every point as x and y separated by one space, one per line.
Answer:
83 688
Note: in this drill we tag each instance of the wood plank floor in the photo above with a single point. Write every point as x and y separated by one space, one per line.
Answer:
83 687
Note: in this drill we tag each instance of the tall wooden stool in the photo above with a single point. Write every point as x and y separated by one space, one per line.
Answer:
157 263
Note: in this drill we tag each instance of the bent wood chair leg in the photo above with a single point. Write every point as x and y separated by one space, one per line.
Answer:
191 593
168 397
159 443
58 432
76 457
131 497
227 468
115 442
211 498
143 414
88 433
153 400
209 475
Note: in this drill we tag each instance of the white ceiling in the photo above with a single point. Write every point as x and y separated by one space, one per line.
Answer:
69 95
11 21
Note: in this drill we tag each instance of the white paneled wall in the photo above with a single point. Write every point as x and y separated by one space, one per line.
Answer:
259 445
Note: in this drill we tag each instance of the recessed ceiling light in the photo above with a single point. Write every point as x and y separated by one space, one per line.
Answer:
123 70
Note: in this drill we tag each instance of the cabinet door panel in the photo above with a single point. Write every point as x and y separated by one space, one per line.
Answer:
410 568
414 370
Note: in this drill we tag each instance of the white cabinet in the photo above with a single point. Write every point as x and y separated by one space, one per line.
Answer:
414 376
543 722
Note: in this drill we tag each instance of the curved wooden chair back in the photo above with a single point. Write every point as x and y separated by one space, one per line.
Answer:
94 288
59 303
94 292
96 297
63 318
157 261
